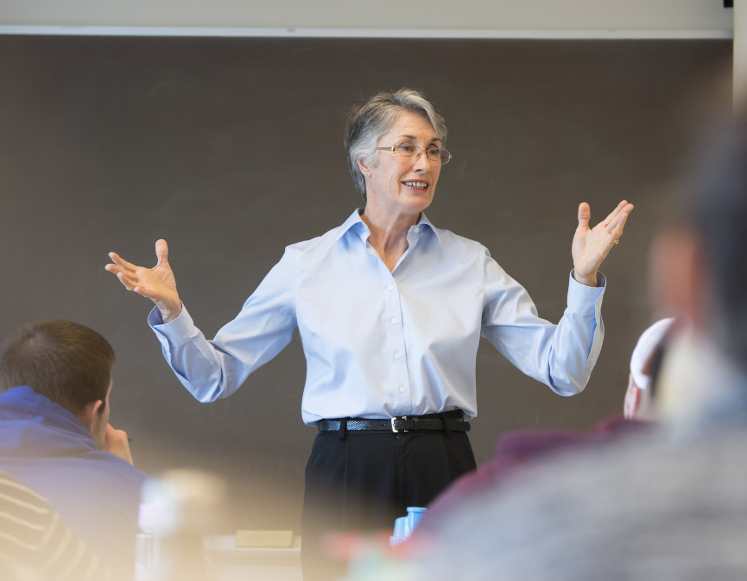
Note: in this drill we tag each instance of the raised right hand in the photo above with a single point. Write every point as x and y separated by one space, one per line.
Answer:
156 283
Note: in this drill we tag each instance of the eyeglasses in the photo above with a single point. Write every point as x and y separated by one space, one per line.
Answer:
409 150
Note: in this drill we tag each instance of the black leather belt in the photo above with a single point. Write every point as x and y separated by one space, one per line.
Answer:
396 424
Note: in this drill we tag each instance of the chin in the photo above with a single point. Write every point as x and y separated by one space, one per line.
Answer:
420 205
417 203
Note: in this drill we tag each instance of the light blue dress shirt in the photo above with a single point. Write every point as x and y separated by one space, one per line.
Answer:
380 344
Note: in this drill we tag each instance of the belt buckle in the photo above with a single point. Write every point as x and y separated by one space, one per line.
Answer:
395 430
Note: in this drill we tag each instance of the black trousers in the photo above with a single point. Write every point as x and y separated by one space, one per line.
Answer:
362 481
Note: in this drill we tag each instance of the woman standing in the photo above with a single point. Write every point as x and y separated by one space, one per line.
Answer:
390 310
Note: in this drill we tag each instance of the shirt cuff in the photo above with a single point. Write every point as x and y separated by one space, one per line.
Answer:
178 331
582 299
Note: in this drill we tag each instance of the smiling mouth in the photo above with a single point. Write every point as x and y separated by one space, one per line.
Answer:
416 185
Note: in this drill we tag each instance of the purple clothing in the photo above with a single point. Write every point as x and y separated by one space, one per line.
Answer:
97 494
515 449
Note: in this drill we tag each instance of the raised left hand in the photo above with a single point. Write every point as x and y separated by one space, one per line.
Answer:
592 245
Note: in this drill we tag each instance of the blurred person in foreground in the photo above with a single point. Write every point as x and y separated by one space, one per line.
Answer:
666 506
519 448
55 436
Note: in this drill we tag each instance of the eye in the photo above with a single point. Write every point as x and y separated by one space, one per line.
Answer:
406 148
434 151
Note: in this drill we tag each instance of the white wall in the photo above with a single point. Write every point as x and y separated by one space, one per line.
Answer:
664 15
740 51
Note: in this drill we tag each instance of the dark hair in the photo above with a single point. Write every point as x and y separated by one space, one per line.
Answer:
716 206
66 362
367 122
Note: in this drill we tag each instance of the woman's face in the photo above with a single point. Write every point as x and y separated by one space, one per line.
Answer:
401 185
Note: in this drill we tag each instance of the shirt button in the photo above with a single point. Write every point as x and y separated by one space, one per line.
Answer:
390 287
416 229
394 321
402 389
398 355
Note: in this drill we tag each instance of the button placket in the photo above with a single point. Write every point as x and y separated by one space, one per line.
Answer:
398 376
395 334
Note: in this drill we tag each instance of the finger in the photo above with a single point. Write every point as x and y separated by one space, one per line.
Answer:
114 433
607 245
121 262
124 277
616 226
162 252
584 215
626 209
117 443
614 212
113 268
147 292
128 281
621 227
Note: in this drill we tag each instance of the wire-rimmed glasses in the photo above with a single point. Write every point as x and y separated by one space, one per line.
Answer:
409 150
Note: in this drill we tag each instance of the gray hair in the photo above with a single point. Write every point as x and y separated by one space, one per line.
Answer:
367 123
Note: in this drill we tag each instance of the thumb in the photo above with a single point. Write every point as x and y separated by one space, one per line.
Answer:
584 215
162 252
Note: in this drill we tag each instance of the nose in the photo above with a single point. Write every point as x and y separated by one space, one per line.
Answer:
422 163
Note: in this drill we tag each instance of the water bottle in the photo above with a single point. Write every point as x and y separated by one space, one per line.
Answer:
404 525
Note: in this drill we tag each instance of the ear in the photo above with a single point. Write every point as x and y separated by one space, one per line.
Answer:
632 399
365 170
89 413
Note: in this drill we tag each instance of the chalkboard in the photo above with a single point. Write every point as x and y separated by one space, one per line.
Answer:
231 149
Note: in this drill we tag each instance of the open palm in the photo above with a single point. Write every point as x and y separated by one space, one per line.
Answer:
592 245
157 283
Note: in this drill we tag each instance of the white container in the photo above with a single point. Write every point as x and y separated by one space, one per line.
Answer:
226 562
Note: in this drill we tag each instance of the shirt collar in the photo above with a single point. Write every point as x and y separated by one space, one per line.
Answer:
355 218
425 221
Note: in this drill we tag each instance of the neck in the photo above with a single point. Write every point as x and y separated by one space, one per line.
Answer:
388 230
